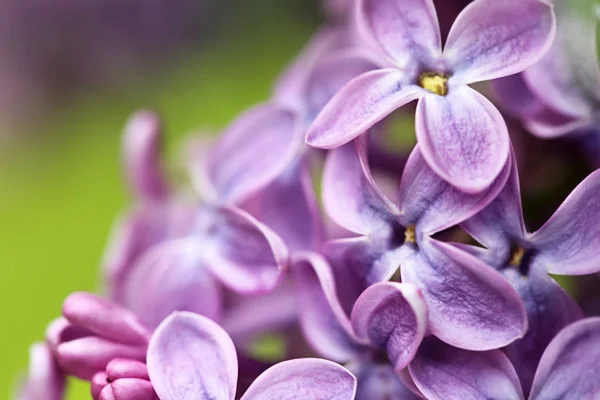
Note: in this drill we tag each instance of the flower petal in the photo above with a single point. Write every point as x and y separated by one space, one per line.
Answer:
359 105
323 321
350 195
141 156
471 305
253 151
244 254
45 380
128 388
380 382
304 378
569 242
190 357
515 97
444 372
392 317
406 30
434 204
463 137
569 367
121 368
172 276
492 39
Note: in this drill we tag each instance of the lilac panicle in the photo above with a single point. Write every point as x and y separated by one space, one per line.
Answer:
488 40
210 369
470 305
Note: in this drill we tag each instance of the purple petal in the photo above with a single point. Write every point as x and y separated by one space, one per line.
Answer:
491 39
253 151
434 204
406 30
244 254
99 382
196 151
85 357
471 305
359 105
391 317
301 379
105 318
350 195
323 321
380 382
516 97
191 357
569 242
141 156
463 137
444 372
122 368
170 277
502 220
61 330
569 367
45 379
128 389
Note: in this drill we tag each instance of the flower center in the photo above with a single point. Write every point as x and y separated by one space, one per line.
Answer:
409 234
434 82
516 257
521 258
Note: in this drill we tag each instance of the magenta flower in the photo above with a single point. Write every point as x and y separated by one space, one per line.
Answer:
191 357
462 135
123 379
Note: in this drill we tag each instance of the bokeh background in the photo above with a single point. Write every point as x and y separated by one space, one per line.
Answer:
71 72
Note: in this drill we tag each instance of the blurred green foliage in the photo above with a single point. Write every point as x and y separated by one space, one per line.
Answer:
62 189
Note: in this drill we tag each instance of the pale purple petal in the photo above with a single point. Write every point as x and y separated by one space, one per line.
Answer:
141 156
302 379
121 368
491 39
548 124
196 152
444 372
244 254
323 321
406 30
463 137
128 389
253 151
45 381
380 382
172 276
434 204
569 367
105 318
61 330
392 317
471 305
501 221
191 358
359 105
350 195
569 242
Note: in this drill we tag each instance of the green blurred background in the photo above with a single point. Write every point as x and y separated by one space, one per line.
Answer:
60 180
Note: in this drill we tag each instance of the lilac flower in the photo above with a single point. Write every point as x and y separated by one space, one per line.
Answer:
44 380
470 305
463 136
123 379
567 244
191 357
568 369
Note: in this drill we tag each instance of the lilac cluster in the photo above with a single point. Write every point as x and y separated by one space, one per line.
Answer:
385 294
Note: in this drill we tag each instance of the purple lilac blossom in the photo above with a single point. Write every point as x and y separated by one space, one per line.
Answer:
463 136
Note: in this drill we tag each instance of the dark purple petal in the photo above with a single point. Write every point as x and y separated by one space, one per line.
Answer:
392 317
569 242
253 151
515 96
471 305
444 372
463 137
491 39
380 382
141 156
121 368
358 106
434 204
322 319
129 389
502 220
105 318
244 254
190 357
172 276
45 380
350 195
407 31
302 379
569 367
548 124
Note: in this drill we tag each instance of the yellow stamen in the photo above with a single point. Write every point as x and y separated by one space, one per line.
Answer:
409 234
517 257
434 83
